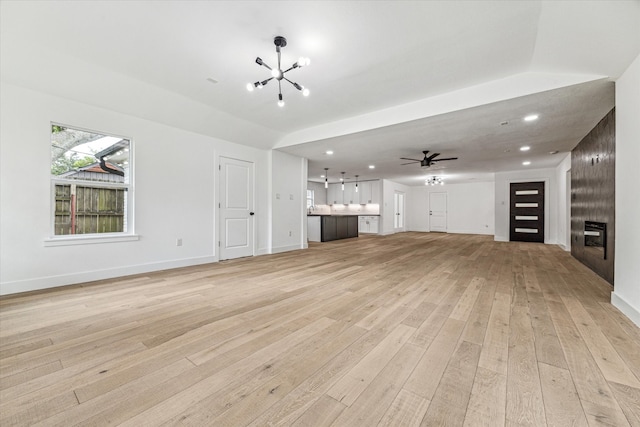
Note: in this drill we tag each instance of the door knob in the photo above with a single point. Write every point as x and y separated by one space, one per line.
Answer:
252 213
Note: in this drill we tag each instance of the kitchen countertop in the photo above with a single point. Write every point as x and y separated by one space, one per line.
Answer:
343 214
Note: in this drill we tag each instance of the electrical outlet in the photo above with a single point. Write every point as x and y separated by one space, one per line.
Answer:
179 241
289 234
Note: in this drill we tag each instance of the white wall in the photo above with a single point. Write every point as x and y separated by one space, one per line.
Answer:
564 208
470 207
626 295
288 201
502 184
175 195
418 209
387 207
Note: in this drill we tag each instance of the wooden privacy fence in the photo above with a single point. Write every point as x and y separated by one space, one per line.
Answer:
81 209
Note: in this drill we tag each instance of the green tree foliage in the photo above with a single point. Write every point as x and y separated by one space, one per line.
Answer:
65 164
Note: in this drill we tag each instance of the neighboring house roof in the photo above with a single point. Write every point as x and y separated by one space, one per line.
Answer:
94 172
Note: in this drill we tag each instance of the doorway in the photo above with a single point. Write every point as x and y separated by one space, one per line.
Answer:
438 212
236 208
526 203
398 209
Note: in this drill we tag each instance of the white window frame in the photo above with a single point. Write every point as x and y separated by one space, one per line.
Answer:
312 198
92 238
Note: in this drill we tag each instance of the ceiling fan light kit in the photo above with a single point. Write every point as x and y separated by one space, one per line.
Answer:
278 73
434 180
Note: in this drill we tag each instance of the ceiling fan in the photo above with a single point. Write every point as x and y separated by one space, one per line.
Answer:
428 160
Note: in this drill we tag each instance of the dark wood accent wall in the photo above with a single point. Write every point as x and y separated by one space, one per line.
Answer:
593 165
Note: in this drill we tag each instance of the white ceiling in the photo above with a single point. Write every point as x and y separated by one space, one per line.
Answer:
388 79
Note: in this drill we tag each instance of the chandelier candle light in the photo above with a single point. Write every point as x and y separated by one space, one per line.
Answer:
278 73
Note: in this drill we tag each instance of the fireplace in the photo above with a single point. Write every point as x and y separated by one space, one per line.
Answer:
595 237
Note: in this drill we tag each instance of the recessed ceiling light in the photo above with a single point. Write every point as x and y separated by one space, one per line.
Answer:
372 167
525 148
554 152
212 80
531 118
527 163
329 152
321 176
506 122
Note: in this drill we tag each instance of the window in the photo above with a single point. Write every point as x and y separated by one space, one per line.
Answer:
310 203
91 183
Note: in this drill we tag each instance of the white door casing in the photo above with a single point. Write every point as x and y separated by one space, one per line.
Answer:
398 211
438 212
236 208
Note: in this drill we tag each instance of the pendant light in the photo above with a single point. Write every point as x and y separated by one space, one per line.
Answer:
356 183
278 73
342 179
326 178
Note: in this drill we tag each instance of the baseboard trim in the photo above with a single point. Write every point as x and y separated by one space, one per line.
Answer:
286 249
627 309
19 286
483 232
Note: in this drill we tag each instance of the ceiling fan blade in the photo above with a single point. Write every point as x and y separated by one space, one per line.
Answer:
410 163
449 158
405 158
432 156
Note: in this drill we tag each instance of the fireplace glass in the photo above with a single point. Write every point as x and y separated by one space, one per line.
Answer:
595 238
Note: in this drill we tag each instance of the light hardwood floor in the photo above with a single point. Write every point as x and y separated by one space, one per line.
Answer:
410 329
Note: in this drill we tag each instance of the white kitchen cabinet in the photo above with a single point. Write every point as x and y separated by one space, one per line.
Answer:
374 222
375 192
364 188
334 194
369 192
368 224
313 228
363 225
350 196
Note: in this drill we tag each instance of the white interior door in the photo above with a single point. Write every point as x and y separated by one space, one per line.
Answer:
438 212
236 208
398 209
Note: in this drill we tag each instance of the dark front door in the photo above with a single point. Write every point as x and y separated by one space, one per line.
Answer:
526 212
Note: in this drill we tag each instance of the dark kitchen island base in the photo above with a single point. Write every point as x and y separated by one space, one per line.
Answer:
338 227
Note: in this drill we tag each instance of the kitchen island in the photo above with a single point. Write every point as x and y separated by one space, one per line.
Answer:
332 227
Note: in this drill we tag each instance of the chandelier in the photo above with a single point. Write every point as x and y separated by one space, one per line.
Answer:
434 180
278 73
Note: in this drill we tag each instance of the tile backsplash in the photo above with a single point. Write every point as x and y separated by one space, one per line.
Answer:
369 209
